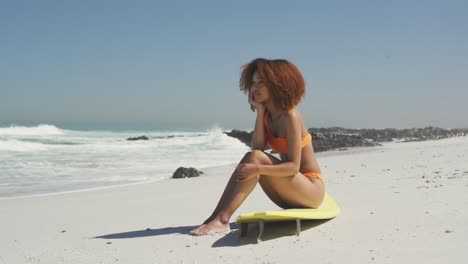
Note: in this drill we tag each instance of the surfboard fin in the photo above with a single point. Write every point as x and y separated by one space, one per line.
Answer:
298 227
261 226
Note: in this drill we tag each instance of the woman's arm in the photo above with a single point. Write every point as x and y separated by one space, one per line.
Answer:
258 136
293 136
288 168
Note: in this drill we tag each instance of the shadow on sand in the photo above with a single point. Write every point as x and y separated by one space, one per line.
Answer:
184 230
273 230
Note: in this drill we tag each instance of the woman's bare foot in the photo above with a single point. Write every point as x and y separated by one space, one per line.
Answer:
196 230
213 227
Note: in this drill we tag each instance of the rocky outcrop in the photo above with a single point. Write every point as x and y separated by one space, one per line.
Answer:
244 137
338 138
432 133
138 138
183 172
323 141
390 134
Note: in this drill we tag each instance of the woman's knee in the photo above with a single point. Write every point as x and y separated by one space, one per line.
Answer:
256 156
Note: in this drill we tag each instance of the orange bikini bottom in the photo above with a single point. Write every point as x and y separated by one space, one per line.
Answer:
313 175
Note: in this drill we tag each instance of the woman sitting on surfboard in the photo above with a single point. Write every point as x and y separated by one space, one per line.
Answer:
274 88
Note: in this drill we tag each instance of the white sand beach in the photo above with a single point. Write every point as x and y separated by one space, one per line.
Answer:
400 203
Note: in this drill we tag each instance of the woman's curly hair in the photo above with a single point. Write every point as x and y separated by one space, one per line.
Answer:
282 78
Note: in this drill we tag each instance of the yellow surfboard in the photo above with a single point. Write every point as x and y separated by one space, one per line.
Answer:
327 210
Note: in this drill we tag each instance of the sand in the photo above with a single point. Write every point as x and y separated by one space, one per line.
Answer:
400 203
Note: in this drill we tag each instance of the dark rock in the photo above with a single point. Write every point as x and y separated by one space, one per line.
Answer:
244 137
183 172
138 138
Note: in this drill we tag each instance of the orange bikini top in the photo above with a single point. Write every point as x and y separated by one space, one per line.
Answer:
279 144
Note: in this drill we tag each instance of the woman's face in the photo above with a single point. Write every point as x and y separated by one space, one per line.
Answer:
259 90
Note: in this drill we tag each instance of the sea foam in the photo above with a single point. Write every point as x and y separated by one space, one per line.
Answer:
40 130
45 158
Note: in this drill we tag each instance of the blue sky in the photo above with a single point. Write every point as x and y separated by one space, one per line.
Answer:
367 64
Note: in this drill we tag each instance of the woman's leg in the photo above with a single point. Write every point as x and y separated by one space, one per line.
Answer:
286 192
228 191
233 196
295 191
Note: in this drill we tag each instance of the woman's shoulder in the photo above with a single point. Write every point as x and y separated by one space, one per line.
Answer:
293 118
293 115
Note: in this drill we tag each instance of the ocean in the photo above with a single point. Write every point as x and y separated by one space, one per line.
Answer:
46 159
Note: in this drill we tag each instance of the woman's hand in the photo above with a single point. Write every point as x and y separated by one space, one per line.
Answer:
246 171
259 107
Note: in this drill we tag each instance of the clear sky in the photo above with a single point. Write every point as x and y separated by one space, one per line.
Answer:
367 64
